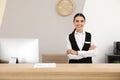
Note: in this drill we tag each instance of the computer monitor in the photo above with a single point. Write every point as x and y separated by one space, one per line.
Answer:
26 50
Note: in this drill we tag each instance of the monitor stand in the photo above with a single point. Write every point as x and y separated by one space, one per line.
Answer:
13 60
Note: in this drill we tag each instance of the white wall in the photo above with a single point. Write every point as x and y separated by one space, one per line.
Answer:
38 19
103 19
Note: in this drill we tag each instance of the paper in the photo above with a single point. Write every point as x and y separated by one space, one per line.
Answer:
45 65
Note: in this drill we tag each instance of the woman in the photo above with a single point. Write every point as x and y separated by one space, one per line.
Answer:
80 44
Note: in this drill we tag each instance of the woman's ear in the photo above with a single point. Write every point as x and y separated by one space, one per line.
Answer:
74 23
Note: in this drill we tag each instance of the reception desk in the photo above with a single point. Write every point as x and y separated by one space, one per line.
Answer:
61 72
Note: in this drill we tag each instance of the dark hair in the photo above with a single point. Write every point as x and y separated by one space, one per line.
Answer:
78 14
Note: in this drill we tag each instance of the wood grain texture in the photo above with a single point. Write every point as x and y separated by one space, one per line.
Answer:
61 72
54 58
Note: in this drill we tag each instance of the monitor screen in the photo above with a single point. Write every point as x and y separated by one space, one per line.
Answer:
25 50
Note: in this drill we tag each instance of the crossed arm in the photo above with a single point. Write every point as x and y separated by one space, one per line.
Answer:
71 51
82 53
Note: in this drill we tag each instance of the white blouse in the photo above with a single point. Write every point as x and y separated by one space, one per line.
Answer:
80 39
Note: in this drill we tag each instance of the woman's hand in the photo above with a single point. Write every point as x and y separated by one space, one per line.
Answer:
70 51
92 47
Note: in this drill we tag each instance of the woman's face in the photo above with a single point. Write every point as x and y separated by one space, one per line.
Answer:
79 23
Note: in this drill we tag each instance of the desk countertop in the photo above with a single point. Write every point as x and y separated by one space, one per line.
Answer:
61 72
65 67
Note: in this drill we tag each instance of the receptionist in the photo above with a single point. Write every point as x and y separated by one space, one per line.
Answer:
81 46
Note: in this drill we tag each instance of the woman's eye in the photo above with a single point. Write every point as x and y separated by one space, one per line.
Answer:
77 20
82 20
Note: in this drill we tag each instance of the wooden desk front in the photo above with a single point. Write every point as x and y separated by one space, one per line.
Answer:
61 72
